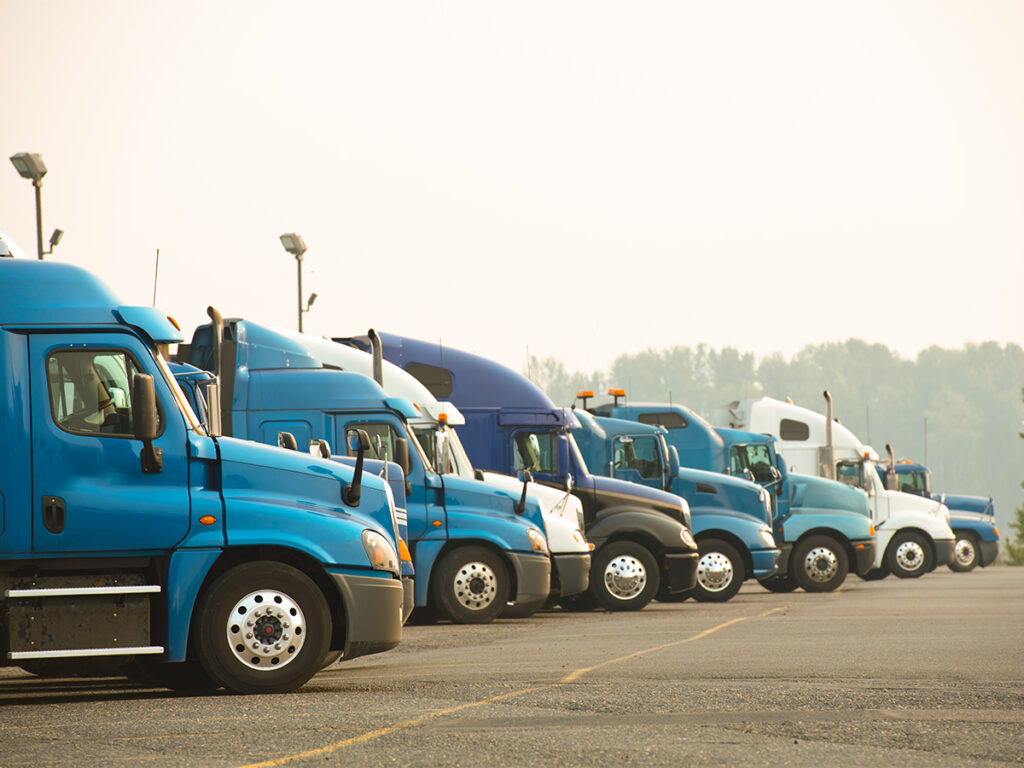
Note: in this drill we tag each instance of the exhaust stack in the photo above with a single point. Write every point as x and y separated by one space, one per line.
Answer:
830 453
214 416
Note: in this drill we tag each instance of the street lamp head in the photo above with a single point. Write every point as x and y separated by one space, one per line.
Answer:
55 238
294 244
30 165
312 298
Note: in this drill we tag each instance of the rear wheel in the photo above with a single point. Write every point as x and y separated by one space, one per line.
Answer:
624 576
720 571
470 585
965 553
778 583
819 564
910 555
263 627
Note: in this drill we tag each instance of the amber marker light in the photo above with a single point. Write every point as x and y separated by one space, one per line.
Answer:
173 322
996 531
871 528
207 520
442 418
436 523
616 392
585 393
403 552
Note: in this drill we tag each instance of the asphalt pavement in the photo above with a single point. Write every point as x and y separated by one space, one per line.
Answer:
918 672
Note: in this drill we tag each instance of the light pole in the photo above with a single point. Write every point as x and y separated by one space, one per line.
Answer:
31 166
296 246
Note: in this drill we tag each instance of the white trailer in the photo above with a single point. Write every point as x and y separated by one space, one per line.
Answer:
912 532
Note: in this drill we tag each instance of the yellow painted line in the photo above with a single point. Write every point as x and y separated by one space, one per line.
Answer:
571 677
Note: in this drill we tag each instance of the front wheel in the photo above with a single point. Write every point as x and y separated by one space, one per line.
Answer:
720 571
470 585
263 627
778 583
965 553
910 555
624 576
819 564
875 574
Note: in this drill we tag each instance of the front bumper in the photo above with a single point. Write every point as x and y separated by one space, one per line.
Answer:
533 577
680 570
944 551
570 573
989 552
373 613
765 562
786 549
864 550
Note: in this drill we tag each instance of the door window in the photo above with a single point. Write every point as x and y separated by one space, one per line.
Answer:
535 451
753 456
387 434
638 453
91 391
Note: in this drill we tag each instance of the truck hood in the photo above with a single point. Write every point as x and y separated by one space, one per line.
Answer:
908 503
625 492
562 512
977 505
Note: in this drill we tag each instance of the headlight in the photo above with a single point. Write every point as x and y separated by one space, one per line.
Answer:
687 538
766 535
380 552
537 541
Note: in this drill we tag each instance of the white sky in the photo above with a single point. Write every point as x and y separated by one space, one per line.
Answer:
584 178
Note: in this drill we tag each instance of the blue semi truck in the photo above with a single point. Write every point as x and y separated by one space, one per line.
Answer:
130 533
474 548
972 518
731 516
823 527
643 545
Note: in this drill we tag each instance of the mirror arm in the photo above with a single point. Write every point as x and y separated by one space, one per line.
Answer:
520 506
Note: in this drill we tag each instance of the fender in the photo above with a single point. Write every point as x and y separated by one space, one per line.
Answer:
187 570
742 526
614 521
984 530
850 525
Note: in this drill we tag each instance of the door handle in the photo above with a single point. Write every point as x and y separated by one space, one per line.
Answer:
53 513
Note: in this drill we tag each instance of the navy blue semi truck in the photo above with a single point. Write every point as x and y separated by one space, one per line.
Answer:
474 548
823 527
643 544
972 518
130 533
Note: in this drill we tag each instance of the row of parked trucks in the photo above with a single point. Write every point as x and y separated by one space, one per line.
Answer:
254 503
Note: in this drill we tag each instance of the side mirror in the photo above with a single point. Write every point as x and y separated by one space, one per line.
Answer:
570 482
320 448
403 460
359 442
673 467
776 475
287 441
748 474
146 422
520 506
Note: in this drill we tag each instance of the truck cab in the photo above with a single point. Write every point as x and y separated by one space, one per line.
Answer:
972 518
129 531
643 545
731 517
912 533
823 528
474 548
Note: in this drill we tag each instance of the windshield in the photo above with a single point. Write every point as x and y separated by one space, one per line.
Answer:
915 482
179 397
753 456
577 456
851 473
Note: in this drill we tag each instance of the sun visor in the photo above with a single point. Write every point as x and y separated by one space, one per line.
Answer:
403 406
452 414
152 322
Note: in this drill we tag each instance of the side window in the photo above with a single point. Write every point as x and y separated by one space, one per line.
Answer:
535 451
437 380
790 429
667 419
638 453
386 433
91 391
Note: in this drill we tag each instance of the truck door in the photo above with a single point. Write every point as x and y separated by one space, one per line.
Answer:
637 460
538 452
89 491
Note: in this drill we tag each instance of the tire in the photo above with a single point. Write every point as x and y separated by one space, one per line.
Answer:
673 597
577 603
470 585
965 553
720 571
910 555
875 574
819 564
330 658
186 676
624 576
285 611
778 583
522 610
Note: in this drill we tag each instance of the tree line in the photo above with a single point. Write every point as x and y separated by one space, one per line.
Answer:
959 410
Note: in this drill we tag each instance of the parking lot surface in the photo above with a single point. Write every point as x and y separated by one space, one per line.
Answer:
918 672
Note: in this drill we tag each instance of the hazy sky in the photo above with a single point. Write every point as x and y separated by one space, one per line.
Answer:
583 178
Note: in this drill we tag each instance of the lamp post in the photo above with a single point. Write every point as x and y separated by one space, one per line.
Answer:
296 246
31 166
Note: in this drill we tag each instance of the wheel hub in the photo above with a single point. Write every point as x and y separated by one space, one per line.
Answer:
964 552
821 564
909 555
714 571
475 586
625 577
265 630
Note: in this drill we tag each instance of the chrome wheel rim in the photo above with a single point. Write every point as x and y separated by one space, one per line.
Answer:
714 571
625 577
910 555
266 630
964 552
475 585
821 565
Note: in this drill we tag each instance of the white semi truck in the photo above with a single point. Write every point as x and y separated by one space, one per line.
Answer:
913 532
